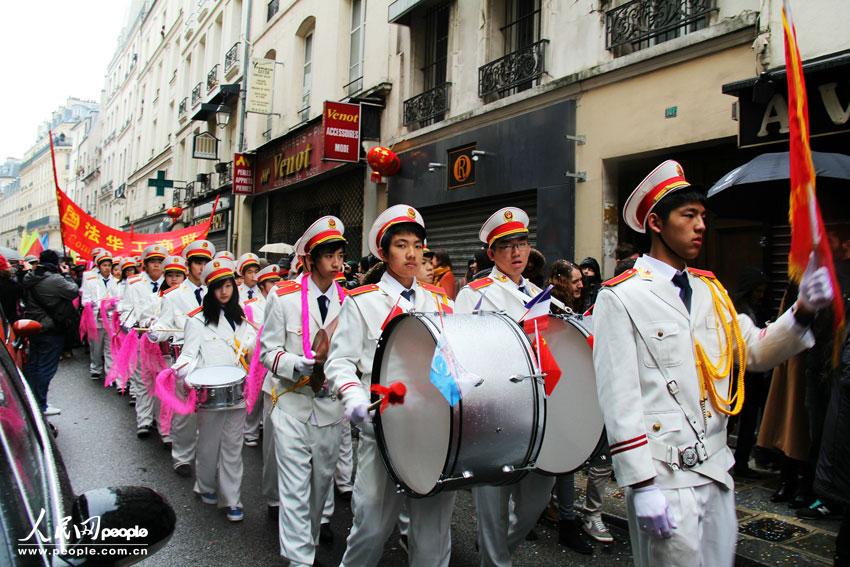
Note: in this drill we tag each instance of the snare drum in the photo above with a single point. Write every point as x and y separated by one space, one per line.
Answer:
574 425
219 387
491 436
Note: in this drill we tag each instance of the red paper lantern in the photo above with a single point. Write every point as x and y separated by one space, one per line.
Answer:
174 212
383 161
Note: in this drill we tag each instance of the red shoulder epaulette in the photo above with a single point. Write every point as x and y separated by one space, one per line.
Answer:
194 311
291 287
621 278
704 273
363 289
252 300
478 284
92 277
134 279
432 288
169 290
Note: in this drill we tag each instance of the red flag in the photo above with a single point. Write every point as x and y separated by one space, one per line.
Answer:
807 229
549 366
394 312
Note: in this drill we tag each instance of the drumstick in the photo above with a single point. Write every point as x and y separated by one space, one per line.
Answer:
145 329
393 395
256 327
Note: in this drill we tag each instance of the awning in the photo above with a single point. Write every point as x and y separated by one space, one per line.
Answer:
400 10
777 74
207 109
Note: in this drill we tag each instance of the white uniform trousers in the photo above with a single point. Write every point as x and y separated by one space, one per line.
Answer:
269 459
376 506
101 353
184 434
218 464
342 474
306 456
707 529
145 406
252 423
498 536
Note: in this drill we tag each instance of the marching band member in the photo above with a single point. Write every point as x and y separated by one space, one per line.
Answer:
128 270
97 287
506 235
253 303
138 308
307 417
116 268
247 267
668 345
225 254
217 335
396 237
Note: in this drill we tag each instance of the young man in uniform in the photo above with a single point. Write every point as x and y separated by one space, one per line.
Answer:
247 267
176 303
666 338
397 237
306 417
505 234
138 309
96 287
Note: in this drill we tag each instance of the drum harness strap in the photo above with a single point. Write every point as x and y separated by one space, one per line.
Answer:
689 457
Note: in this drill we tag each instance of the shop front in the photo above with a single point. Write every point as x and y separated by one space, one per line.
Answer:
526 161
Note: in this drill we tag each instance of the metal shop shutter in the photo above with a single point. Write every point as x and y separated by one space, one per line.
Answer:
455 227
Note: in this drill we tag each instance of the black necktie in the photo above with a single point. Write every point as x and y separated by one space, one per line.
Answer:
106 282
408 294
250 293
198 294
523 290
323 306
155 286
685 291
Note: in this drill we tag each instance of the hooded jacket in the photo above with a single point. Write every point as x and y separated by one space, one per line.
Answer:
51 288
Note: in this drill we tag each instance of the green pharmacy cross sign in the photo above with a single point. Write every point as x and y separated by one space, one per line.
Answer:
160 182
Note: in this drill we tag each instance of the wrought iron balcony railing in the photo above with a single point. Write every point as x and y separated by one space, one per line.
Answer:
354 86
231 58
226 176
212 78
514 72
428 107
183 107
272 9
196 95
642 23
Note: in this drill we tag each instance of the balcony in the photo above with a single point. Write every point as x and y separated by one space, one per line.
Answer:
225 173
231 59
272 9
428 107
183 108
643 23
354 86
189 191
304 114
212 79
105 190
196 95
514 72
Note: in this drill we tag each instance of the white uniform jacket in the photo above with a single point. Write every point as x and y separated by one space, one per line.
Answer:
282 345
175 304
498 293
213 344
639 323
363 313
139 304
257 307
94 291
243 292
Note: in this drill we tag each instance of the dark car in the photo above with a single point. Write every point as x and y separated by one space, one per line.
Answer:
42 521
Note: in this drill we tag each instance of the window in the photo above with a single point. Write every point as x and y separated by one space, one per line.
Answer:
522 24
436 46
304 113
356 41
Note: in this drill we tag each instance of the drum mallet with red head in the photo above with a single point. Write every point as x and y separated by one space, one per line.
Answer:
392 395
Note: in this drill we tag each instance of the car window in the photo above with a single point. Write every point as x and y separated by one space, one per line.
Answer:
24 503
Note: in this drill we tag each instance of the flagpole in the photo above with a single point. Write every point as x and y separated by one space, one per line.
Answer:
56 188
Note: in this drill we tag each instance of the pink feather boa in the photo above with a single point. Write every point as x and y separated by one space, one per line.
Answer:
256 375
88 323
152 362
170 403
126 360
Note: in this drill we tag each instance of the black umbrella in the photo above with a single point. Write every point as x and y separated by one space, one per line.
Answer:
759 189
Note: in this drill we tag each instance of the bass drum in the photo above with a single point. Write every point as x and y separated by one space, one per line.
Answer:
574 425
491 436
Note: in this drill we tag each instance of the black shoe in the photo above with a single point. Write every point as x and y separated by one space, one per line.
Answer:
326 535
571 534
95 375
184 470
802 500
143 432
784 493
532 536
402 541
273 512
345 496
746 472
819 511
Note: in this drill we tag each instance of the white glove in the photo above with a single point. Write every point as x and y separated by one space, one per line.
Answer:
356 406
304 365
652 511
815 287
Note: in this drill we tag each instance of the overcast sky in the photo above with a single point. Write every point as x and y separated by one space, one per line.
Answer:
51 49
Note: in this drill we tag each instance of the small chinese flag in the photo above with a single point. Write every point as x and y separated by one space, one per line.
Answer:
394 312
549 366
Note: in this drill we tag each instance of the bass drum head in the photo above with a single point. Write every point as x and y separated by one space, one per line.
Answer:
414 436
574 423
215 376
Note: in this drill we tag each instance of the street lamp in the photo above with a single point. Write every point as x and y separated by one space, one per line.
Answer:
222 116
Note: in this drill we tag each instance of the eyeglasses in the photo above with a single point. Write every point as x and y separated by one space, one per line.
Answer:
516 245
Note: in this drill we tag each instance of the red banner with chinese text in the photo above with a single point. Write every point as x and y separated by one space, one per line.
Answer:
82 233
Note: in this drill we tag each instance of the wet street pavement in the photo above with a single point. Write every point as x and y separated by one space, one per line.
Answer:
97 438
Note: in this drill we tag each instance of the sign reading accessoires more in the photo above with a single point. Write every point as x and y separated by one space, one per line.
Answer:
341 126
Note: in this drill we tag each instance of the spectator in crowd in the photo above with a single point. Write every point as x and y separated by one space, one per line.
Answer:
10 291
624 265
625 251
425 271
535 270
471 269
749 300
592 281
483 263
568 283
443 276
49 292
